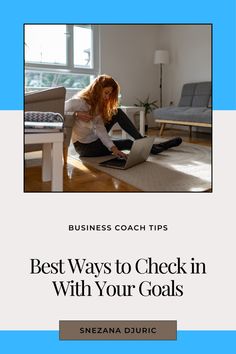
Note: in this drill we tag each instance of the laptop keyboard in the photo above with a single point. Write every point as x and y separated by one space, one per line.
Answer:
115 162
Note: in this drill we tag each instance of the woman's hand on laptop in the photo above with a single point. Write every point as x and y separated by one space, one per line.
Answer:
118 153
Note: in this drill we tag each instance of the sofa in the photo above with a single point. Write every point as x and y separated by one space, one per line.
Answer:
50 100
194 108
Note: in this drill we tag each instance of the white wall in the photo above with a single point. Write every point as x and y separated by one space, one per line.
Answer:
189 47
127 54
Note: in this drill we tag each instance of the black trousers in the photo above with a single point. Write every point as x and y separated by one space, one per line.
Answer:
97 148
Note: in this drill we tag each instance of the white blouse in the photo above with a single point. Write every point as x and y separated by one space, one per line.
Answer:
87 132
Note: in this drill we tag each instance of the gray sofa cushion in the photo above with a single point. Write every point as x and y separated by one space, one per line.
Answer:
193 105
185 114
187 95
201 94
195 94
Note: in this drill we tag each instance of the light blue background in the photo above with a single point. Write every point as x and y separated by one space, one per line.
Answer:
188 342
221 14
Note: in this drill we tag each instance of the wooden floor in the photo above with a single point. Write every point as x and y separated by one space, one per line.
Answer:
81 178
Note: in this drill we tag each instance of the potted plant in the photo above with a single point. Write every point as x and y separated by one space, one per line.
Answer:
149 107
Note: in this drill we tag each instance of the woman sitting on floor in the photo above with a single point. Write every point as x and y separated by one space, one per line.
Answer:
96 110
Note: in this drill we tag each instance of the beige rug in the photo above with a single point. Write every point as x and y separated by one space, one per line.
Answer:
186 168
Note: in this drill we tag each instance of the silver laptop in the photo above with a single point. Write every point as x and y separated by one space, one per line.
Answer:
139 153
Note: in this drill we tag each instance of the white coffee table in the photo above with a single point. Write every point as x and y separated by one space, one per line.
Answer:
130 111
52 168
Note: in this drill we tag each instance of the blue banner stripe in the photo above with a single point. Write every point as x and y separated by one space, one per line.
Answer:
47 342
183 11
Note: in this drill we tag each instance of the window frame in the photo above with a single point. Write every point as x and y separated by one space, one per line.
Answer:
69 67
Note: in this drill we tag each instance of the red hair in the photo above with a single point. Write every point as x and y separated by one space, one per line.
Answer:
92 94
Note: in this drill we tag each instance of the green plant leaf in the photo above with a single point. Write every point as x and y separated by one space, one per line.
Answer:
149 106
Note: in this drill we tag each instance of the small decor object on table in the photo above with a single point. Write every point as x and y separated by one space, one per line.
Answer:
43 122
149 107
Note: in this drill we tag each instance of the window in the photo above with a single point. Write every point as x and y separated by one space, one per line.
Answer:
82 46
60 55
45 44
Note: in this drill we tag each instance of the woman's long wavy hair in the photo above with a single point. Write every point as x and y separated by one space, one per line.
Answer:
92 94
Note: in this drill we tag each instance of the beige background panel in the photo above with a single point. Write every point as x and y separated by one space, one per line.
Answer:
34 225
